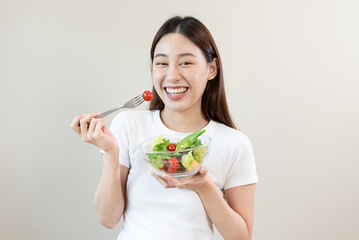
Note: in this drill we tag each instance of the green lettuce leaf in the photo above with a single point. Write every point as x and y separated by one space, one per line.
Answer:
187 159
156 158
160 144
199 153
190 140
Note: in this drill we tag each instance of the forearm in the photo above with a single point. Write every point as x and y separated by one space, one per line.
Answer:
229 223
109 197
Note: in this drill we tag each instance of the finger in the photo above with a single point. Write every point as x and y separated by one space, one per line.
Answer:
161 180
98 131
77 119
171 180
106 130
84 125
75 124
92 127
202 170
90 113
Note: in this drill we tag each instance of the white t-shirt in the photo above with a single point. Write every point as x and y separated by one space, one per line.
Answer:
154 212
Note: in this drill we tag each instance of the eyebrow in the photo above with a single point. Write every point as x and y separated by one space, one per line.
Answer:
180 55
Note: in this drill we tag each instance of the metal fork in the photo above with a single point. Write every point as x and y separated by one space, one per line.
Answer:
132 103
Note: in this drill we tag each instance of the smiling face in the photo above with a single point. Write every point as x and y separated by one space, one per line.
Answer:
180 73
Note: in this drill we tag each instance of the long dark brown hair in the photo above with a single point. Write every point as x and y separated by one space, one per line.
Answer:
214 103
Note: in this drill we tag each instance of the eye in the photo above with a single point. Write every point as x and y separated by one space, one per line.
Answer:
185 63
161 63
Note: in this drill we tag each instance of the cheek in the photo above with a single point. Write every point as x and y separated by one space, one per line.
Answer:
155 79
157 83
158 89
201 73
157 76
201 78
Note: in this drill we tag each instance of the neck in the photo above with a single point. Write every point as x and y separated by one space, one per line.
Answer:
186 122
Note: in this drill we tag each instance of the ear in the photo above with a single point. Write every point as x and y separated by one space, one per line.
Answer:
213 69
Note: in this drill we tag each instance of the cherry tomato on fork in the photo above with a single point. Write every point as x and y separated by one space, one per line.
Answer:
147 95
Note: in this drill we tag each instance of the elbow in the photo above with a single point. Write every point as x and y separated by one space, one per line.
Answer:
108 218
109 221
242 236
250 234
108 224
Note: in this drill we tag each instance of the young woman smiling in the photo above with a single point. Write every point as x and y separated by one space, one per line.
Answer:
189 95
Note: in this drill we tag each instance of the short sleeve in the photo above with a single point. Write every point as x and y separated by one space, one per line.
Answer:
242 168
121 130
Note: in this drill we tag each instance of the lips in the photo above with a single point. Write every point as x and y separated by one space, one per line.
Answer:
175 93
176 90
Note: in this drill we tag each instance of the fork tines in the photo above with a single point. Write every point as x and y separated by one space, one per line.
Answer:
137 100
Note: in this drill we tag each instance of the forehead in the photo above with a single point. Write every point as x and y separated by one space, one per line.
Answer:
175 44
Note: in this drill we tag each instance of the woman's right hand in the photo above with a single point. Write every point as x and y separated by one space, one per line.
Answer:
94 131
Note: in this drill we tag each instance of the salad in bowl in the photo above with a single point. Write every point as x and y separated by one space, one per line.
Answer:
178 155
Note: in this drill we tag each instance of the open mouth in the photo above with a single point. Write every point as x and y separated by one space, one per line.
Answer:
176 90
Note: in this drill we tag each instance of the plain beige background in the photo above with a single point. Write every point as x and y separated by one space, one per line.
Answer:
291 72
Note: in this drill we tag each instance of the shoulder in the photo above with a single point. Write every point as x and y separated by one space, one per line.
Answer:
229 134
233 142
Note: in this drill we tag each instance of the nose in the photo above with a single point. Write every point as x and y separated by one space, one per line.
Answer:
173 73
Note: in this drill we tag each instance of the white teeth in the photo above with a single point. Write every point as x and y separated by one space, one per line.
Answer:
176 90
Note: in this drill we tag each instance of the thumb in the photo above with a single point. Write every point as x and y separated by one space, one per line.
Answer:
202 170
105 129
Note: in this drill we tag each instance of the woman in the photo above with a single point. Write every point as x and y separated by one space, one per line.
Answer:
188 95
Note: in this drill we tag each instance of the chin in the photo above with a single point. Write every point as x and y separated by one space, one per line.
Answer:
180 107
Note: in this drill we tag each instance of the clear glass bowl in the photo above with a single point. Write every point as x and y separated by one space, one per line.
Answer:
160 162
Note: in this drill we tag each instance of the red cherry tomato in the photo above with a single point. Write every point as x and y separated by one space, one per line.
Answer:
147 95
174 164
171 171
171 147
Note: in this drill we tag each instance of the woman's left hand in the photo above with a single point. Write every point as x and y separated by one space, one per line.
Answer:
196 182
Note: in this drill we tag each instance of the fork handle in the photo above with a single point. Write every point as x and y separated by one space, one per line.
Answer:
104 114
